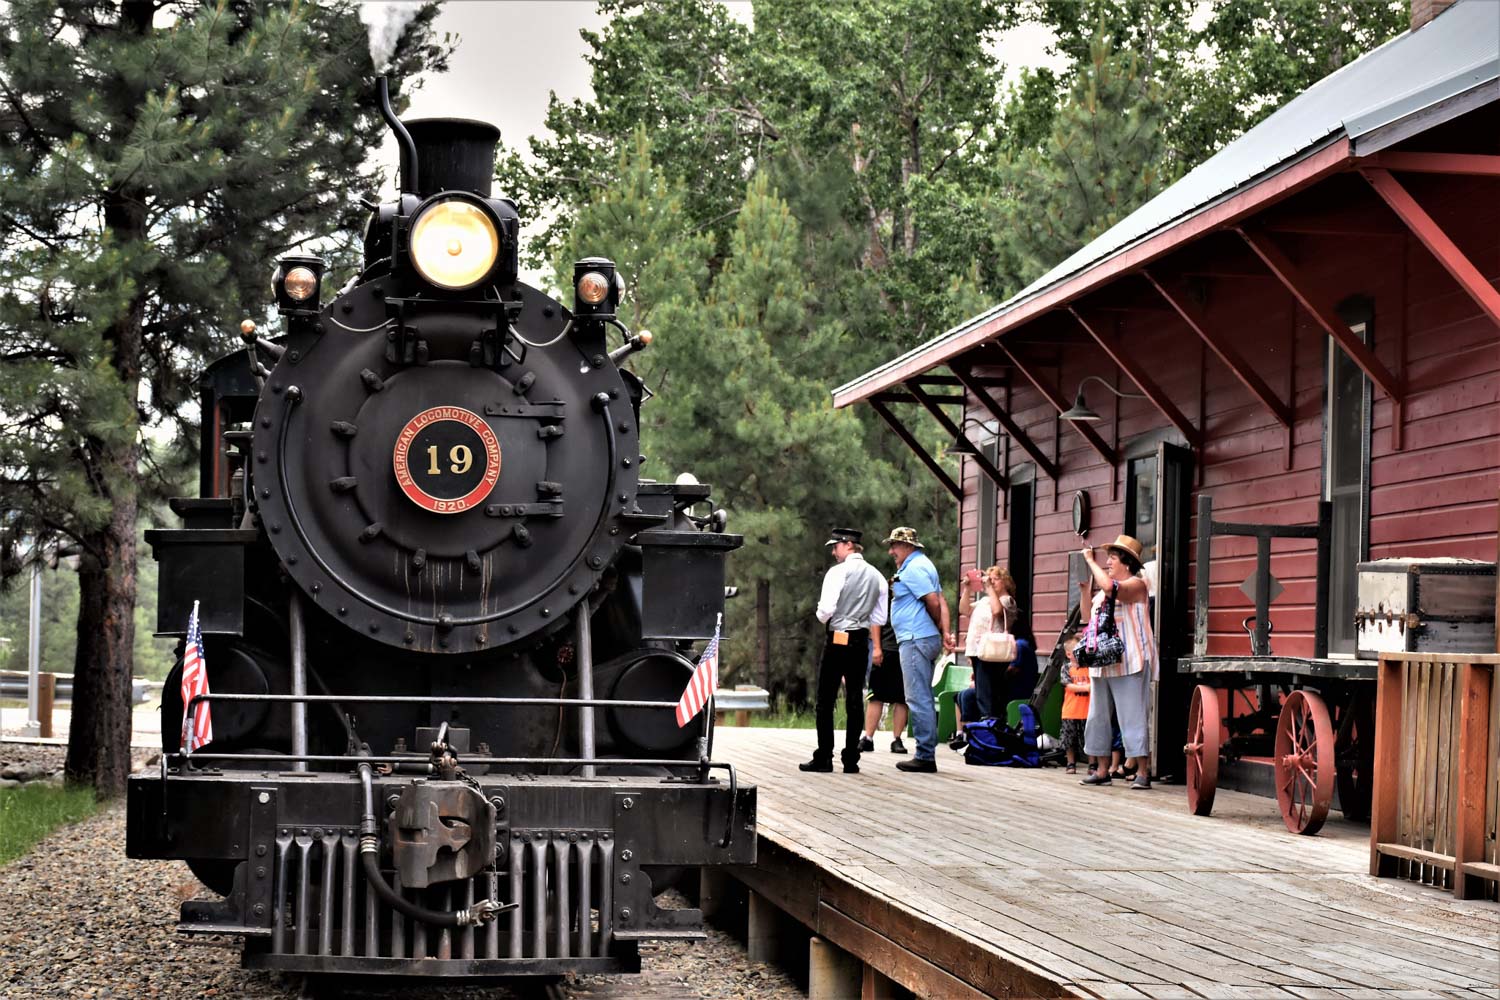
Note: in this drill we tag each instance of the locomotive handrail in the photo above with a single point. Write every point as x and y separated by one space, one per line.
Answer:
377 699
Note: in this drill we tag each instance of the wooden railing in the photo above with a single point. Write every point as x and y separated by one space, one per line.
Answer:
1436 806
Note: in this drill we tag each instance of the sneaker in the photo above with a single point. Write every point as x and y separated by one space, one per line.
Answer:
866 745
1141 782
958 742
851 768
820 766
1094 779
924 766
897 746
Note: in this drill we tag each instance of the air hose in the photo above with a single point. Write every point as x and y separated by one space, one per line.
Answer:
369 851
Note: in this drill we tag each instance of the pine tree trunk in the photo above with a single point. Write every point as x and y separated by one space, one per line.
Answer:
99 733
763 631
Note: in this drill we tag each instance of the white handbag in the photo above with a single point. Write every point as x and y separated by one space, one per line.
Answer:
998 647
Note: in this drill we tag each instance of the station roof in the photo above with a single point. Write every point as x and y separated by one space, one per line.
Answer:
1411 83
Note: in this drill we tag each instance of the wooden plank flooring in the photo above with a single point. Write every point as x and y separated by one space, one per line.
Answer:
1022 882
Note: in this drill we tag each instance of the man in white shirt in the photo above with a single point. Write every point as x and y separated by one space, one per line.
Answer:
851 593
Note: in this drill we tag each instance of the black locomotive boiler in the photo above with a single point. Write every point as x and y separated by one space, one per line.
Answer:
445 620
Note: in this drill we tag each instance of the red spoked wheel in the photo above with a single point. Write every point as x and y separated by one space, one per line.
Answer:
1304 762
1204 736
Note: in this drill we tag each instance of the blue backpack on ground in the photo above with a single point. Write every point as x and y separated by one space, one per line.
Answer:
993 743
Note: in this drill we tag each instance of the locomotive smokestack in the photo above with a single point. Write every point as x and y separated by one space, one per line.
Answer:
403 138
452 154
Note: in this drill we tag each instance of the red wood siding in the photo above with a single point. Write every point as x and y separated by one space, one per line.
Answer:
1435 496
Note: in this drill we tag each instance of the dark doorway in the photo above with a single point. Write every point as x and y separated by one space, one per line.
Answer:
1173 622
1020 550
1346 478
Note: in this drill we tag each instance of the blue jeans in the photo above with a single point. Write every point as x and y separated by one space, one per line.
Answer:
917 658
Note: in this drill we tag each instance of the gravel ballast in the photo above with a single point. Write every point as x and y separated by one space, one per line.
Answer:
83 921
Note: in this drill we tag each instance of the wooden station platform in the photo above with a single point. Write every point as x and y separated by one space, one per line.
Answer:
982 881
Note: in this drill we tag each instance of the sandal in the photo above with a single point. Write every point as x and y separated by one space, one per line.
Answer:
1118 772
1071 769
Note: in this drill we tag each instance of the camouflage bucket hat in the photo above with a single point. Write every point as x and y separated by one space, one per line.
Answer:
905 535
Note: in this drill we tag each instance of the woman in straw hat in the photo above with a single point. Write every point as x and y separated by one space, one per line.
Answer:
1123 687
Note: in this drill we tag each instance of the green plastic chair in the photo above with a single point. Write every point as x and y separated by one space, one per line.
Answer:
1051 716
945 693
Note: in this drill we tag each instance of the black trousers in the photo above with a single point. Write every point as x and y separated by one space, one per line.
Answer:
846 664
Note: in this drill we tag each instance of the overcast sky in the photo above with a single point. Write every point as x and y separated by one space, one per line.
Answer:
511 54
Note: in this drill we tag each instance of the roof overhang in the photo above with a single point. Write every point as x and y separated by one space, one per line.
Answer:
1333 156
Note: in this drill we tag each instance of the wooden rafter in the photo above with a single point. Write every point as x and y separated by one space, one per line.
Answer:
903 397
1248 377
1321 310
1051 395
1470 164
985 465
1016 432
1110 343
1426 229
916 446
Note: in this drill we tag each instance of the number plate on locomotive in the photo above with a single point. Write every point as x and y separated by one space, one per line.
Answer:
447 459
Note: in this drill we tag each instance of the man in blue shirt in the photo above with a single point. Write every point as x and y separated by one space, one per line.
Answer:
919 616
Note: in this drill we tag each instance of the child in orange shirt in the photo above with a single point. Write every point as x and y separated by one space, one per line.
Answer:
1075 708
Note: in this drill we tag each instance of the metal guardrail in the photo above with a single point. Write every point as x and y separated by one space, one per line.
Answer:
13 685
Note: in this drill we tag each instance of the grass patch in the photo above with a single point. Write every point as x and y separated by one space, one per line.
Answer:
31 812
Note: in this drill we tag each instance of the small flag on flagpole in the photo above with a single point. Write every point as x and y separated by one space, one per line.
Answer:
703 683
194 683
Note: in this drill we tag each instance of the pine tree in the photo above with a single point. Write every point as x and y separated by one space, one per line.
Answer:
1100 162
156 157
748 411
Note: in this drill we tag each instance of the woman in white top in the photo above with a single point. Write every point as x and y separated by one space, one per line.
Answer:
1123 687
990 603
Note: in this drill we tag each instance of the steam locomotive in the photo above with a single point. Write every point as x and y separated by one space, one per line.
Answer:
445 619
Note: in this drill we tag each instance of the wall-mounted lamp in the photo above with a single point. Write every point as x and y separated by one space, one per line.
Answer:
962 445
1080 409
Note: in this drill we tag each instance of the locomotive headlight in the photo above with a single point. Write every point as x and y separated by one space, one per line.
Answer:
300 283
593 287
454 244
296 283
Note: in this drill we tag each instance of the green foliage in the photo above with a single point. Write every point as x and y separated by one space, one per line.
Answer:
154 159
1098 164
1224 66
29 813
153 657
671 67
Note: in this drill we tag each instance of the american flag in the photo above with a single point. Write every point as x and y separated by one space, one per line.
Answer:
195 683
703 683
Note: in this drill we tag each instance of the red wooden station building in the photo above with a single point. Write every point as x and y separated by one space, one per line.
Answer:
1305 331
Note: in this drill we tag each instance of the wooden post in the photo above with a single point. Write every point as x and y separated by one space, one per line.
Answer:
1472 775
713 887
763 930
741 717
1386 786
832 973
1200 585
46 692
876 985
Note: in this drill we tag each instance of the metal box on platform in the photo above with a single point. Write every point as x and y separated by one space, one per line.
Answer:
1425 606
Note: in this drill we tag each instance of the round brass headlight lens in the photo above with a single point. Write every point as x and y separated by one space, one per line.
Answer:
300 283
593 287
454 244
